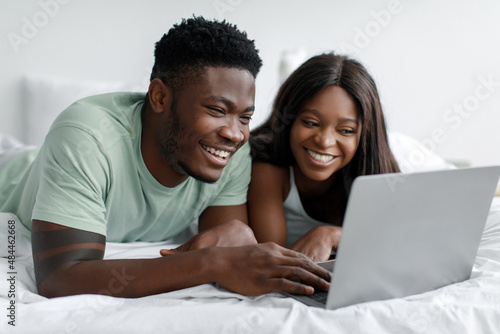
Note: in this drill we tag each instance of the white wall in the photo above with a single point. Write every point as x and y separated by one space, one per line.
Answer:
429 58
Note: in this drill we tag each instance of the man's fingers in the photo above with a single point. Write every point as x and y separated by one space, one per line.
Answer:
271 268
180 249
290 286
167 252
295 259
287 257
302 276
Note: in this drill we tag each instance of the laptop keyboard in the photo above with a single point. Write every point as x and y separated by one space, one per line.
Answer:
320 296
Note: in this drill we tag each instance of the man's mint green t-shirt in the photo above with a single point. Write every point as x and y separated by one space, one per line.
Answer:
89 174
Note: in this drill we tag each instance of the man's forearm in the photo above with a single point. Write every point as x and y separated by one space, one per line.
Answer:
70 261
129 278
248 270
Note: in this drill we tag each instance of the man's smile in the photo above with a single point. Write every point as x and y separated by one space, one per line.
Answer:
217 152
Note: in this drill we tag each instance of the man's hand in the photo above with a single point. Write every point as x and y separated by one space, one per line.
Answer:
317 244
230 234
65 257
265 268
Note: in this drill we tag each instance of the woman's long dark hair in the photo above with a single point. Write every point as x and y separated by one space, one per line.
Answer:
270 142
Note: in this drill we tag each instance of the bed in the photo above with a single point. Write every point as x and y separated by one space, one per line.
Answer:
472 306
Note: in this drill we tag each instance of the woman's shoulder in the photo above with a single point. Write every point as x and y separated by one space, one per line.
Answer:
265 170
271 177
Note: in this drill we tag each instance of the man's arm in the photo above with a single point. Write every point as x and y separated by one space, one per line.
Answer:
220 226
228 224
70 261
215 215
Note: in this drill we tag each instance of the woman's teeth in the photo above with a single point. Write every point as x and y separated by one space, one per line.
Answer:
320 157
219 153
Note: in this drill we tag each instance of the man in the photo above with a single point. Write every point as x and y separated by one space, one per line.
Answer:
126 167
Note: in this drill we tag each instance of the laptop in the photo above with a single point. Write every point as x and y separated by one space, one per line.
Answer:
405 234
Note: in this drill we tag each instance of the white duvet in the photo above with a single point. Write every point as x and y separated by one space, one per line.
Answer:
472 306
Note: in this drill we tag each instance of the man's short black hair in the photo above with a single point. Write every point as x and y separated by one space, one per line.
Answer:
197 43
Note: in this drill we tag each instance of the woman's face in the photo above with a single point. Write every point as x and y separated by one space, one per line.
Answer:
325 135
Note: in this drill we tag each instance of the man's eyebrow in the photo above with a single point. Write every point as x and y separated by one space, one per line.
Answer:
341 120
229 103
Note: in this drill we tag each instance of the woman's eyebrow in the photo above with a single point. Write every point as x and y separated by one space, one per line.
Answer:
341 120
310 111
348 120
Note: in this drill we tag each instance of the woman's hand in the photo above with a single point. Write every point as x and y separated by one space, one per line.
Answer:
317 244
231 234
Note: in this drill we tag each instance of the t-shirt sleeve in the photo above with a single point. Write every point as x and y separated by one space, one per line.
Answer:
234 192
73 180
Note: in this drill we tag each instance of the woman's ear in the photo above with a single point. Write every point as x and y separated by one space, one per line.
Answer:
160 96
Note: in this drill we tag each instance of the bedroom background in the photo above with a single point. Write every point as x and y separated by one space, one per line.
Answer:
436 63
437 67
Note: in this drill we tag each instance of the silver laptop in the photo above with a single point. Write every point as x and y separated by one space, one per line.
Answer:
404 234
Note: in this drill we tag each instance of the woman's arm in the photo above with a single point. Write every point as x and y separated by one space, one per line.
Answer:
266 193
318 243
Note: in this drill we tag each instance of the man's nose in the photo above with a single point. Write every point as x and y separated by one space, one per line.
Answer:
233 131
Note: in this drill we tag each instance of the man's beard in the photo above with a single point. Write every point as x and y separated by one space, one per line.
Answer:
171 133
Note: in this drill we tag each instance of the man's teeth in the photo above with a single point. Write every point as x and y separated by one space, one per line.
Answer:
219 153
320 157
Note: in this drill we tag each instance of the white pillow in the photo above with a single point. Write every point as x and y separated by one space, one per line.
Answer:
412 156
46 97
9 147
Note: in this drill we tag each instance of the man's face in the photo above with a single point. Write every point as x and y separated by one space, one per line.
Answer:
208 121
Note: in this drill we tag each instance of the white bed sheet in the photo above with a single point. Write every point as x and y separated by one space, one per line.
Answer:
472 306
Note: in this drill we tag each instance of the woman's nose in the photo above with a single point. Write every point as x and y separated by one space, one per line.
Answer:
326 138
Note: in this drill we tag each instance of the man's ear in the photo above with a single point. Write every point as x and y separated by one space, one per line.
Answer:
160 96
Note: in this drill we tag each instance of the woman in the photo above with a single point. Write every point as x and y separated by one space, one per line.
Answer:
326 128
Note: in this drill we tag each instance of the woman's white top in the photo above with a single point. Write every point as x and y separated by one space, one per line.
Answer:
297 220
